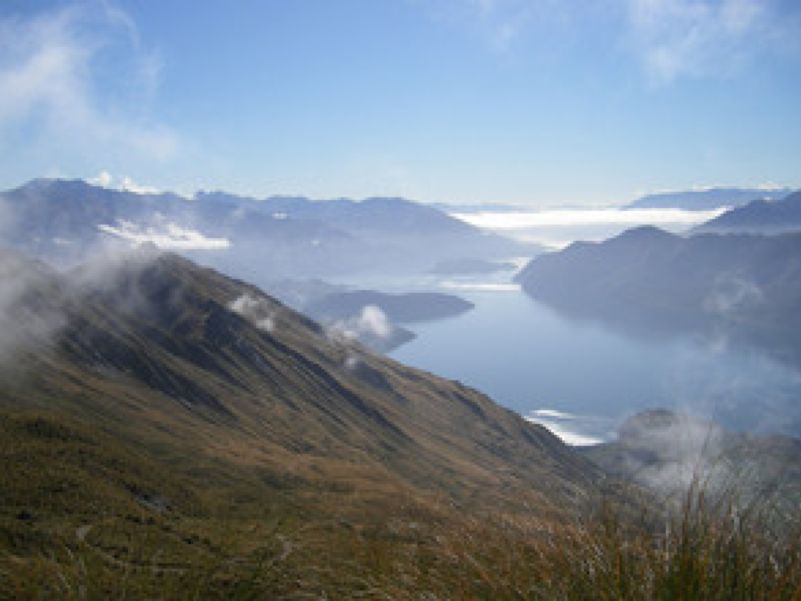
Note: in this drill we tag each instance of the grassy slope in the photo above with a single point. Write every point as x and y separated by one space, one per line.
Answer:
155 427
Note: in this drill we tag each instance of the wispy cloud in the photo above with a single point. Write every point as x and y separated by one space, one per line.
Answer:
670 39
698 38
104 179
48 66
500 24
257 310
169 236
371 323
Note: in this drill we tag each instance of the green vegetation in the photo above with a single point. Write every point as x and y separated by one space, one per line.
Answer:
158 444
84 516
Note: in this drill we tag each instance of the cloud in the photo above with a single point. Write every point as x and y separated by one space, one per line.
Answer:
129 185
374 321
697 38
52 90
169 236
24 323
670 39
499 24
369 325
731 294
102 179
256 310
504 220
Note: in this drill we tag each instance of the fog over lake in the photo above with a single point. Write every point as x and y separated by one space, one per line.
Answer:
556 228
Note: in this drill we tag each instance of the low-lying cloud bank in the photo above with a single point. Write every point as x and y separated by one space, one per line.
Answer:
581 217
170 237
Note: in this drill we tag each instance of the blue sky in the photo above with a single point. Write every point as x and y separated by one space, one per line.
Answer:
535 102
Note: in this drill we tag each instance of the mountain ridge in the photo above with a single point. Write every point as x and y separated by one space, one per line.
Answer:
759 217
61 221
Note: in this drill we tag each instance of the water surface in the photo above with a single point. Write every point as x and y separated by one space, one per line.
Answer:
588 376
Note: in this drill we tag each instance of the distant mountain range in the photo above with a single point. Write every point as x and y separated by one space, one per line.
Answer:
64 221
759 216
707 199
746 287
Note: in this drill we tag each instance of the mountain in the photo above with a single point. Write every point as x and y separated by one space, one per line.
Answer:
372 317
158 416
760 216
670 453
744 287
403 308
705 200
65 221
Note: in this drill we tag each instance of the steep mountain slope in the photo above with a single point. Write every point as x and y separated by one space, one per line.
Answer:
148 390
759 216
190 341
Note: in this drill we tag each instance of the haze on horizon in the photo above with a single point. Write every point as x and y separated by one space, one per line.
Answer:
459 101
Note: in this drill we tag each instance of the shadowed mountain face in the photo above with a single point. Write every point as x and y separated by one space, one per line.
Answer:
704 200
64 222
748 287
165 354
760 216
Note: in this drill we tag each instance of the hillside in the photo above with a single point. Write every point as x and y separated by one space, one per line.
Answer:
162 418
759 217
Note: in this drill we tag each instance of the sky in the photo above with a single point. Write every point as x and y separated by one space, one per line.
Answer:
539 103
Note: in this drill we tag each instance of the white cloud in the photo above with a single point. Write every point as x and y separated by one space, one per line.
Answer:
129 185
47 65
170 236
126 183
370 323
102 179
499 24
671 39
372 320
695 38
580 217
254 309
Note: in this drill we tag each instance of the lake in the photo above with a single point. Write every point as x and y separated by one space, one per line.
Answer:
582 378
